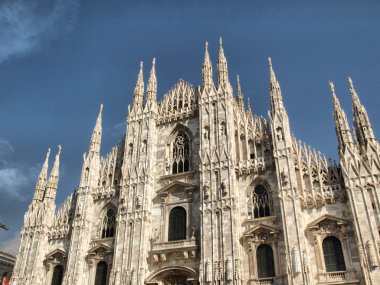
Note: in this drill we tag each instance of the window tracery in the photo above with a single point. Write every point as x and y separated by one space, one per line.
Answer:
181 153
261 202
109 224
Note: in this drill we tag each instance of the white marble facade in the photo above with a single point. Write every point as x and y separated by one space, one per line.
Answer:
202 191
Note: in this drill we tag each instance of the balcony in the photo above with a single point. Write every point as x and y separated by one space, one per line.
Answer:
339 277
178 249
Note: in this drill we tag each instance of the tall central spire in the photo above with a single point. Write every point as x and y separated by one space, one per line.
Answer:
362 125
42 180
152 84
96 137
277 104
223 80
207 77
138 95
342 127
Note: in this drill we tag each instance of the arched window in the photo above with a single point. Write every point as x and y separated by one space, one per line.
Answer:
333 254
57 275
177 224
101 273
261 202
181 153
265 262
109 224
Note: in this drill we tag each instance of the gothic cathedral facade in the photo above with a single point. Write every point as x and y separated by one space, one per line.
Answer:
202 191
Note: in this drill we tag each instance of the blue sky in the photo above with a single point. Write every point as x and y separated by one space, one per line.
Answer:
59 59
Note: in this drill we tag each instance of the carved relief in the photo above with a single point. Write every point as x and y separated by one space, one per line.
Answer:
296 261
208 270
229 268
371 254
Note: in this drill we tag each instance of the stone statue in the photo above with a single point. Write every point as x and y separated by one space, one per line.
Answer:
296 261
229 269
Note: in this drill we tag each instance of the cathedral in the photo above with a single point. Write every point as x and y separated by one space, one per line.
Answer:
202 191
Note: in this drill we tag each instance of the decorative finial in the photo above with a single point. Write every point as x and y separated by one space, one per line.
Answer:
220 41
206 45
332 87
350 82
238 79
60 147
270 62
141 65
48 153
154 61
101 107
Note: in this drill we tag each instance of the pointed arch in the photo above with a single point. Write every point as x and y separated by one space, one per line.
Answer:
108 222
180 149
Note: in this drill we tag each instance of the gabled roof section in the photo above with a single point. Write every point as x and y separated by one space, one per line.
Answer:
57 251
182 98
327 218
260 228
175 186
103 246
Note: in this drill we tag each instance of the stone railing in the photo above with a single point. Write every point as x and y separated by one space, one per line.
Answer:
255 165
339 276
163 251
265 281
172 245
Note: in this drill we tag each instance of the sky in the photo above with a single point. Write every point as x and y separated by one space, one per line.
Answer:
60 59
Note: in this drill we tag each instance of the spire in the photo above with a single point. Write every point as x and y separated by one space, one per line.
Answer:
207 77
249 106
239 93
96 137
138 96
222 67
42 180
342 127
362 124
152 83
52 184
274 91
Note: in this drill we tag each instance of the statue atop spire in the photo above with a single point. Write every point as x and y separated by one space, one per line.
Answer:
152 84
52 184
207 76
96 137
223 80
138 96
42 180
342 127
362 125
274 91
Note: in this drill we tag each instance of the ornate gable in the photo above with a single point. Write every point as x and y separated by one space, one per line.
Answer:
179 103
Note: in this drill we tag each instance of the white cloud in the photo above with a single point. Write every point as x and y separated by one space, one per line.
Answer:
26 25
14 176
11 245
118 130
